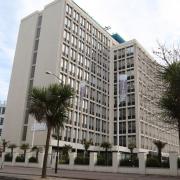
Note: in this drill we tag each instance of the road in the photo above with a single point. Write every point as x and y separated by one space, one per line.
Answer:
34 174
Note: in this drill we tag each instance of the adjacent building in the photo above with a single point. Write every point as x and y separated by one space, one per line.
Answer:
138 114
2 113
66 41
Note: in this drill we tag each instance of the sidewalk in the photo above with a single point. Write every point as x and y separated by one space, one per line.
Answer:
35 174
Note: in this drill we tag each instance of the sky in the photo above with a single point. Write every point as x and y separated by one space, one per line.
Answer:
144 20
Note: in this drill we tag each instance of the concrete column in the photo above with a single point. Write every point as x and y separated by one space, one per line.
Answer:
14 158
28 155
41 158
116 159
142 162
3 157
173 156
53 160
93 160
72 157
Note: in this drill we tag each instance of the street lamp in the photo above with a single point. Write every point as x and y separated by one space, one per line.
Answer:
50 73
57 152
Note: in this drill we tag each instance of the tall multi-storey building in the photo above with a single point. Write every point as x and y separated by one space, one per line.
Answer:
138 113
66 41
2 113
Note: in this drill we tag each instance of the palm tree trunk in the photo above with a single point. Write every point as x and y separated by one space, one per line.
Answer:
57 154
43 175
159 155
24 155
12 153
37 154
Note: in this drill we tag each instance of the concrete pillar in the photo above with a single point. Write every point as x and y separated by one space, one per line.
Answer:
14 158
53 160
28 155
115 162
41 158
93 160
142 162
72 157
3 157
173 156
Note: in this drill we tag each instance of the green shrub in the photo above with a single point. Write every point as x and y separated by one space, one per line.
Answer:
165 164
152 162
20 158
81 160
127 162
64 161
33 160
101 160
8 157
178 161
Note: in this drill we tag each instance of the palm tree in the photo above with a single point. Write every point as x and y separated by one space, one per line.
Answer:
24 147
106 146
160 145
65 150
50 105
131 147
4 143
169 75
12 147
36 149
86 144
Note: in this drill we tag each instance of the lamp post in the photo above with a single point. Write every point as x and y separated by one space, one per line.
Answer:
57 152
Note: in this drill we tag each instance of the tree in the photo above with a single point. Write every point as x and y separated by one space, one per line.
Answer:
169 75
24 147
50 105
12 147
36 149
5 144
131 147
106 146
160 145
65 151
86 144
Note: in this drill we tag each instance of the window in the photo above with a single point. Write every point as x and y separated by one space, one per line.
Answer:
0 132
66 35
1 121
36 45
122 127
75 28
67 23
34 57
131 127
68 9
65 50
3 110
39 20
122 141
129 51
122 114
131 113
131 99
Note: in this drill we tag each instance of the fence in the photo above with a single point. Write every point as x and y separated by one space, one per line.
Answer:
92 166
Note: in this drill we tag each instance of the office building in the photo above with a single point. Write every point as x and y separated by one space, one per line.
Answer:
2 113
66 41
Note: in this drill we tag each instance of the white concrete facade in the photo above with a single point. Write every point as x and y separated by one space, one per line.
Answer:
65 40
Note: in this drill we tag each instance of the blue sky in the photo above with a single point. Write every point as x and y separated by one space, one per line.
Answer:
145 20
